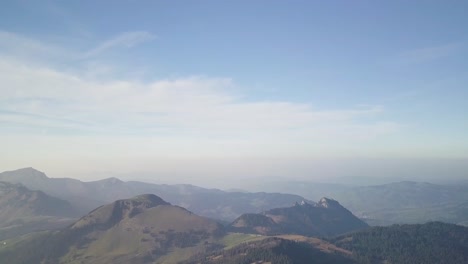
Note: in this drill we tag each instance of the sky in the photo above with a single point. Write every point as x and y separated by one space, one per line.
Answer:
212 92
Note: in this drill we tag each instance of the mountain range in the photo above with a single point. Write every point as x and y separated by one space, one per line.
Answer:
391 203
213 203
386 204
407 202
147 229
63 220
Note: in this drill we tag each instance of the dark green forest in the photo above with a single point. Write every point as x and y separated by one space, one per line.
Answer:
433 242
271 250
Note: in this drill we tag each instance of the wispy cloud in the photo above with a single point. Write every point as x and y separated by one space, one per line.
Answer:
427 54
19 47
199 106
191 115
127 40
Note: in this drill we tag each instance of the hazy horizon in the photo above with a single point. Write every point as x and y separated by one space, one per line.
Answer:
215 93
252 178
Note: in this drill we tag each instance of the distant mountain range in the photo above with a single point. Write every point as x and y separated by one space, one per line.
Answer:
386 204
213 203
325 218
401 202
407 202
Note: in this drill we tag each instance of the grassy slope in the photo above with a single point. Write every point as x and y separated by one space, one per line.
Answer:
233 239
138 236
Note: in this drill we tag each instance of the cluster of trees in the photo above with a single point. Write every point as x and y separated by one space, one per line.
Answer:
424 243
270 250
170 238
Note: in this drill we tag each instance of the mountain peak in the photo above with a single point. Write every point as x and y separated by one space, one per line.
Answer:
26 172
302 203
327 217
111 180
329 203
110 214
137 204
149 199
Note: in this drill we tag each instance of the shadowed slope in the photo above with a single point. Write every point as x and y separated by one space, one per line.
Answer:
23 211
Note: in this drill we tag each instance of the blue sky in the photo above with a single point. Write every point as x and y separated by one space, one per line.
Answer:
120 86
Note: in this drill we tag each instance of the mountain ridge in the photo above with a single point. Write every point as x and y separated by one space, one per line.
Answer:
211 203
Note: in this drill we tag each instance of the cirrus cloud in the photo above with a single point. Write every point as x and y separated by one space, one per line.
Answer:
193 105
77 119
